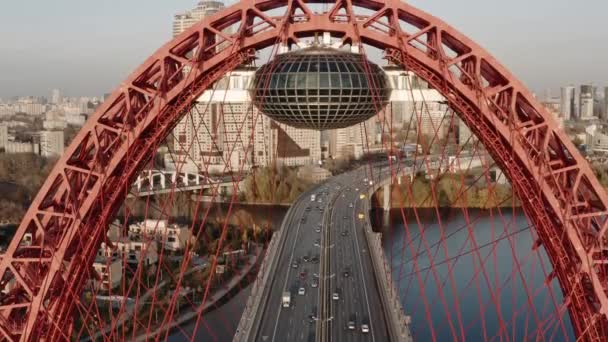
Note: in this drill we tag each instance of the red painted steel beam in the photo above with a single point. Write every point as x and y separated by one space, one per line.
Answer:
70 214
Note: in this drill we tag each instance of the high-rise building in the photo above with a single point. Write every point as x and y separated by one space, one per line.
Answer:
51 143
3 136
56 97
352 142
294 146
605 116
224 132
183 21
586 102
568 103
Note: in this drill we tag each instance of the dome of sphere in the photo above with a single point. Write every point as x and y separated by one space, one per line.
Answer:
320 88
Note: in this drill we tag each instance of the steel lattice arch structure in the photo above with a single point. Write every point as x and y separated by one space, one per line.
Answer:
70 215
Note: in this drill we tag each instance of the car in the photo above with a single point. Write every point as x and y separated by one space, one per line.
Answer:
308 208
312 317
365 328
295 264
315 259
303 220
301 291
352 322
321 209
318 243
344 233
303 274
336 295
351 205
356 189
306 258
318 229
314 283
345 217
343 195
346 273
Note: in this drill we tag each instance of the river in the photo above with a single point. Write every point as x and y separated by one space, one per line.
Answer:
500 272
428 307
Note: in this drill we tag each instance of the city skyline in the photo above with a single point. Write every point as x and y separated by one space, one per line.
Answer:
82 62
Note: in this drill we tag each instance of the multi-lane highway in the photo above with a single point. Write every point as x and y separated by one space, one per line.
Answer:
325 267
297 269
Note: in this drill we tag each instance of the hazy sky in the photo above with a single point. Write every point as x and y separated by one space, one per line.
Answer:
87 47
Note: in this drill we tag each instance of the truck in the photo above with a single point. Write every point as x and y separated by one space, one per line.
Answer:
286 299
313 197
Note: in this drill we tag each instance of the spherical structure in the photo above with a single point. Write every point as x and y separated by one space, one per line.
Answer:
320 88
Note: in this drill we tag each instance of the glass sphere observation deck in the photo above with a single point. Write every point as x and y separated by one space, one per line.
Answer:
320 88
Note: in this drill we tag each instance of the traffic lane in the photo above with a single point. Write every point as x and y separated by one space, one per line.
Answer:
294 325
376 312
344 306
352 285
359 304
360 308
274 306
279 314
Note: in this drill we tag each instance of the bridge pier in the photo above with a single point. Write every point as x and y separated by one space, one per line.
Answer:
386 204
150 180
162 181
138 183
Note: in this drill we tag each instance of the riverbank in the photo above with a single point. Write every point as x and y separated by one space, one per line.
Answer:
213 299
448 192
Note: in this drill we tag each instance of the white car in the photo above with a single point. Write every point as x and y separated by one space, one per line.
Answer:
365 328
335 296
301 291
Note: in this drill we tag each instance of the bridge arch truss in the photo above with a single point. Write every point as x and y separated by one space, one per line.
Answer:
70 214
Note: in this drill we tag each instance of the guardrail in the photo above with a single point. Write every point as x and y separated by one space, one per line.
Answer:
399 323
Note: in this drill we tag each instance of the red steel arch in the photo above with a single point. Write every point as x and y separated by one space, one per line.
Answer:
70 214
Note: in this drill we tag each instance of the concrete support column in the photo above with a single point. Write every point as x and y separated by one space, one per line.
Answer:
162 180
150 180
185 179
138 182
174 177
386 203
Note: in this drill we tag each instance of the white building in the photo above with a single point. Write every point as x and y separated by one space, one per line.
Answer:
597 139
183 21
20 147
586 102
54 119
171 237
3 136
313 173
55 97
605 116
131 250
109 271
293 146
224 132
51 143
568 103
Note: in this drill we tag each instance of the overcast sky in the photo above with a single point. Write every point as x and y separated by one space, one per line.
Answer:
87 47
